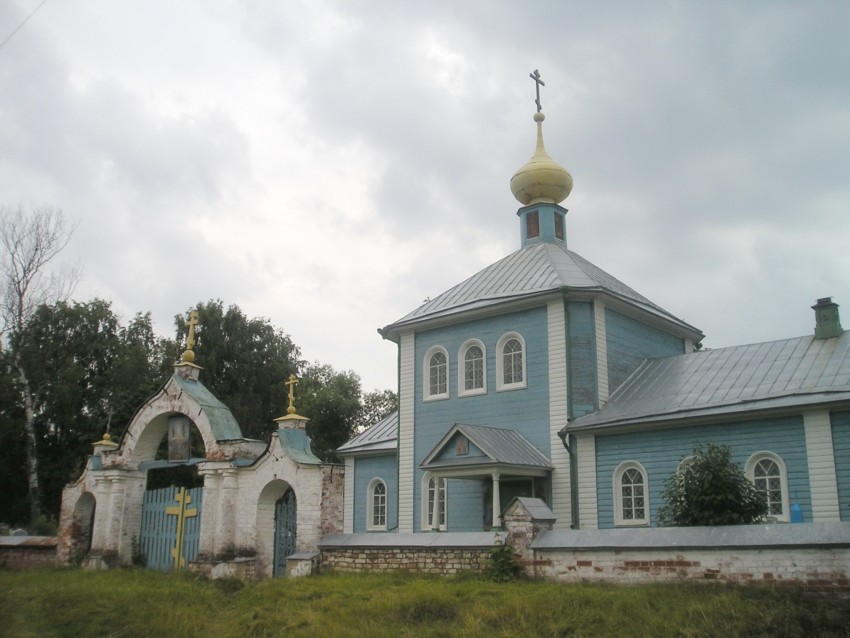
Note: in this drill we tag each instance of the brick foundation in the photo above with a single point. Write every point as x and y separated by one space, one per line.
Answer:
443 561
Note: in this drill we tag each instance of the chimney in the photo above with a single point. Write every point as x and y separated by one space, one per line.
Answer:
827 323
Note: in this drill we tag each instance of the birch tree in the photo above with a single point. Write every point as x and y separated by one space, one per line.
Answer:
31 240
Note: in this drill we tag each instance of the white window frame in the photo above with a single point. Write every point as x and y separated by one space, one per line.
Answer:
371 508
443 493
426 374
461 369
764 455
619 473
500 363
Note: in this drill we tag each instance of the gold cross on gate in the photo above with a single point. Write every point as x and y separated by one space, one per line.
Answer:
193 321
292 382
538 82
182 512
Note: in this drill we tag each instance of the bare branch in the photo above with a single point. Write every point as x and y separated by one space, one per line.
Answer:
30 241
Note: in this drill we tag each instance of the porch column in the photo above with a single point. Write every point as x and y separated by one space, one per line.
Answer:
101 515
209 512
226 511
497 502
116 512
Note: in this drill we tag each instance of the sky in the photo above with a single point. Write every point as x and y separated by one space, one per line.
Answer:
329 165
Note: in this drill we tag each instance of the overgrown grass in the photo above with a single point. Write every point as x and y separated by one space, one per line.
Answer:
130 603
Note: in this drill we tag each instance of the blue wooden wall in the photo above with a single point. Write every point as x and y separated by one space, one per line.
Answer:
841 447
630 342
660 452
365 469
526 410
581 358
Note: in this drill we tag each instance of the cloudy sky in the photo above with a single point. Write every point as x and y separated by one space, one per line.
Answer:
331 164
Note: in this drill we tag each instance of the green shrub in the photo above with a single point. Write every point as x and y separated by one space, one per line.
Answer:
504 564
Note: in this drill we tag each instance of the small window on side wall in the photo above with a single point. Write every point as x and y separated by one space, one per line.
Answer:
377 499
472 373
559 226
510 362
435 374
767 472
631 494
532 225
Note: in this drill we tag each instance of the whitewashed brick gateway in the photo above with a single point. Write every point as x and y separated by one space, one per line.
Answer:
243 479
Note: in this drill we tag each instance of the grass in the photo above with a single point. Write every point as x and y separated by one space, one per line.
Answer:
128 603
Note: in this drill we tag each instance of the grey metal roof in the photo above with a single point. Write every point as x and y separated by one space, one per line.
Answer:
222 422
775 374
297 446
728 536
502 446
406 539
530 271
382 436
536 508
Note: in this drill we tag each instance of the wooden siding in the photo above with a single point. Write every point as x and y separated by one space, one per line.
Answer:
348 498
582 359
558 413
601 352
384 468
588 514
407 379
526 409
841 445
660 451
630 342
821 466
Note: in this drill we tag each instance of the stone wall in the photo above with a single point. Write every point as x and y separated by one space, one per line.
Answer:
435 553
27 552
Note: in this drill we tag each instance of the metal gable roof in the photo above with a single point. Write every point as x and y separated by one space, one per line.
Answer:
222 422
381 436
775 374
530 271
500 445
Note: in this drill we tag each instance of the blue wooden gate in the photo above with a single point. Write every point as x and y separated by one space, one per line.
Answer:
171 527
285 529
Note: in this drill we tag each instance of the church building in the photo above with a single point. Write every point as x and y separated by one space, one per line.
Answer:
543 376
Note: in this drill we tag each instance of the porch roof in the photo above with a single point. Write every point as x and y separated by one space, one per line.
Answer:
499 447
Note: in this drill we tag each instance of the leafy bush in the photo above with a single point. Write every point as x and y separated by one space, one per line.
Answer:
711 490
504 565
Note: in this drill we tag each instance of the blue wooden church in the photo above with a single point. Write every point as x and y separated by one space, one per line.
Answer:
544 376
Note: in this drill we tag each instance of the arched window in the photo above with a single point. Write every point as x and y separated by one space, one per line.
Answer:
436 373
510 362
767 472
434 499
631 494
472 378
377 499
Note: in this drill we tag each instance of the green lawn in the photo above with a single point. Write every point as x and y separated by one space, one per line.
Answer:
143 603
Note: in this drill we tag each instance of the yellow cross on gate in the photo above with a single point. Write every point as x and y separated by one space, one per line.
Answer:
193 321
182 512
292 382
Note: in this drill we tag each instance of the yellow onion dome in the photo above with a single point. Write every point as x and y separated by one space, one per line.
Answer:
541 179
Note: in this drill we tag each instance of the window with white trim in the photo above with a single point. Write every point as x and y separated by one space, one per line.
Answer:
767 472
436 373
510 362
377 499
434 502
631 494
472 375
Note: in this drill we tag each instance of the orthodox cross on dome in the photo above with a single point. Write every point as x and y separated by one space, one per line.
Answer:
538 83
189 354
291 382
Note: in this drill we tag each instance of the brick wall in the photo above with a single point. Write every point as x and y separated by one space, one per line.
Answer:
445 560
27 552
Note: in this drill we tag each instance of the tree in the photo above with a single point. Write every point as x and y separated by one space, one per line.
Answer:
245 362
30 240
331 400
87 374
710 489
377 404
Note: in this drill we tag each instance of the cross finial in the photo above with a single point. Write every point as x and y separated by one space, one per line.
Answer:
292 382
193 321
189 354
538 83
